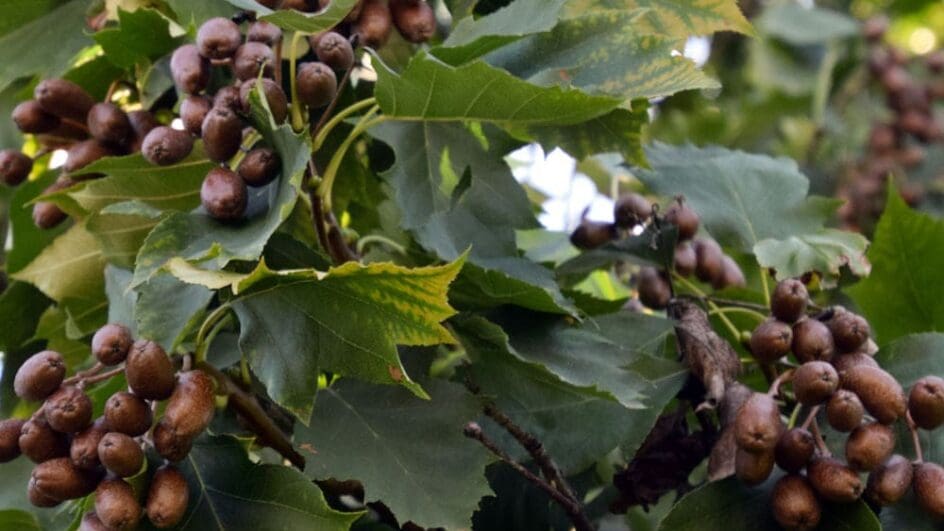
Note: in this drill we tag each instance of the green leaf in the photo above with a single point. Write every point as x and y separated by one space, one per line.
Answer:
678 19
28 239
18 520
904 294
347 322
19 12
655 247
474 37
802 26
121 299
408 452
21 306
120 236
431 90
297 21
46 45
229 493
141 36
165 307
741 198
603 53
71 267
826 251
512 280
197 13
619 131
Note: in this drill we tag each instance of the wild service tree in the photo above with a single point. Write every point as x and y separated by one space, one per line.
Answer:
284 279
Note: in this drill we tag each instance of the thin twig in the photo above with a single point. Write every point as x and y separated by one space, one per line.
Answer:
814 427
93 370
775 386
317 219
334 103
810 418
101 377
246 405
915 440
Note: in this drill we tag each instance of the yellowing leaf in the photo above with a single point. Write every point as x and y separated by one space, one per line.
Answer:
71 267
675 18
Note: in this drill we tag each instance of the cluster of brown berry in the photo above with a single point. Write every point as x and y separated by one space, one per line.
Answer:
63 115
77 455
911 87
838 373
701 257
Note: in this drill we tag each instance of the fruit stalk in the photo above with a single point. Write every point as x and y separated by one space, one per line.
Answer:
915 440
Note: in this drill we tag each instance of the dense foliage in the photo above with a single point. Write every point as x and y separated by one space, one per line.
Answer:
267 266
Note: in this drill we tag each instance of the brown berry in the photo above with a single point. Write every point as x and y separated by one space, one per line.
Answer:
731 275
275 98
168 497
190 70
81 154
683 217
844 411
120 454
850 331
709 260
164 146
374 24
890 482
794 504
128 414
218 38
812 341
69 410
38 498
64 99
170 445
771 341
224 195
758 425
222 134
190 409
252 57
869 445
10 439
84 449
142 123
228 97
929 488
788 302
61 480
111 343
926 402
15 167
814 382
116 504
39 376
91 522
30 117
39 442
844 362
753 468
880 392
317 84
685 259
833 480
653 288
47 214
794 449
592 234
260 167
264 32
334 50
149 371
414 19
109 124
193 111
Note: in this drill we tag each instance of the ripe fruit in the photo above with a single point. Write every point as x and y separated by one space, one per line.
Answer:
228 97
60 480
10 439
317 84
47 215
84 450
758 426
30 117
111 343
15 167
334 50
592 234
731 275
844 411
193 111
374 24
252 57
683 217
142 123
685 259
109 124
169 445
653 288
190 409
788 302
844 362
709 260
168 497
771 341
850 331
39 376
414 19
224 195
190 70
90 522
39 442
814 382
222 134
164 146
812 341
880 393
260 167
37 498
274 95
120 454
69 410
149 371
833 480
753 468
116 504
218 38
794 504
64 99
264 32
81 154
929 488
128 414
890 482
926 402
869 445
794 449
